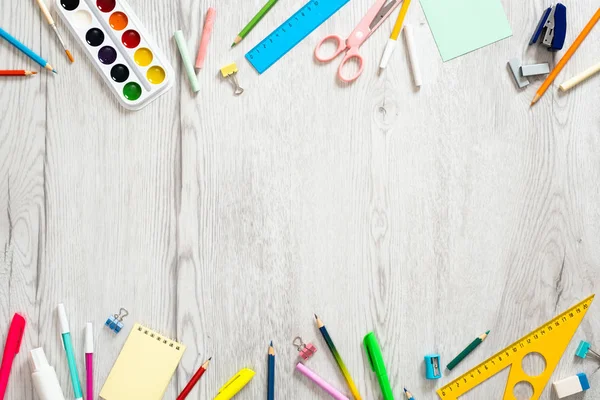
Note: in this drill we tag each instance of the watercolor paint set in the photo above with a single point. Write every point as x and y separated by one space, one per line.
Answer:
121 49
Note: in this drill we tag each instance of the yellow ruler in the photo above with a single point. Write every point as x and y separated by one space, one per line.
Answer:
550 340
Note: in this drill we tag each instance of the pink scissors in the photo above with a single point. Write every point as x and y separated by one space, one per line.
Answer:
376 15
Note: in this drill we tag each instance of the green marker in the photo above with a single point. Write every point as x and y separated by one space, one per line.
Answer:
467 351
377 365
263 11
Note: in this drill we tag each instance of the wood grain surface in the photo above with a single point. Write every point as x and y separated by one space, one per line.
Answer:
428 216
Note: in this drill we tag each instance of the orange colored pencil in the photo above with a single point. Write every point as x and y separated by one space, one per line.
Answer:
17 72
563 61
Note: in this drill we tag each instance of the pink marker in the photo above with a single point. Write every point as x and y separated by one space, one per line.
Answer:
320 382
206 32
89 361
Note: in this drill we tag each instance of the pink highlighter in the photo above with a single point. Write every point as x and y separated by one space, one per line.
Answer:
89 361
206 32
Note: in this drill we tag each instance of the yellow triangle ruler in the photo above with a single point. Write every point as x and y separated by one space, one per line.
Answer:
550 340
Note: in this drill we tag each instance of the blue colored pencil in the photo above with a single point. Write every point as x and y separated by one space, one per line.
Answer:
271 386
28 52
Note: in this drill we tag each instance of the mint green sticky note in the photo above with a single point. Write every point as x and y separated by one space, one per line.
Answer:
461 26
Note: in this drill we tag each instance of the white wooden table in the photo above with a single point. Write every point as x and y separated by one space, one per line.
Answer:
428 216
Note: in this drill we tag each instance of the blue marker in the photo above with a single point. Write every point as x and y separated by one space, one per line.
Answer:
68 344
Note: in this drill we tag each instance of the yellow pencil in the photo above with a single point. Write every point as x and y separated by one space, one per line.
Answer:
391 43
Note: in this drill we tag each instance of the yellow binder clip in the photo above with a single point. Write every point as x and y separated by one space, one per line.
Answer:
229 72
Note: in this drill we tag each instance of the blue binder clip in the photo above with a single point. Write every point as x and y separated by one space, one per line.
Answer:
554 23
584 348
115 322
432 366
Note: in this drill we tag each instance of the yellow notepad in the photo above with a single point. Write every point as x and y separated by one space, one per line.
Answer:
144 367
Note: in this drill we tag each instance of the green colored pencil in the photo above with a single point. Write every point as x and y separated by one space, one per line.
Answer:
467 351
263 11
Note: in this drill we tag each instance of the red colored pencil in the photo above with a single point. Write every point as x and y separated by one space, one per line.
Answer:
19 72
188 388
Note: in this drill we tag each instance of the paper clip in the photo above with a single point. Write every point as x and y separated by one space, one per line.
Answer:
230 72
115 321
306 350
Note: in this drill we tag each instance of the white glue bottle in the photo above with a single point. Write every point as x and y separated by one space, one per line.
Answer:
44 376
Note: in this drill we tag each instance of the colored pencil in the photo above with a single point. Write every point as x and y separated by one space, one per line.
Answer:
467 351
563 61
338 359
26 50
271 386
17 72
408 394
254 21
188 388
52 24
576 80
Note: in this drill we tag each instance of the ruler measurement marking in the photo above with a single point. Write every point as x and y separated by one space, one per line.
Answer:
282 28
297 27
503 355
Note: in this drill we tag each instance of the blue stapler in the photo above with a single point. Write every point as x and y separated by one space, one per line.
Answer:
554 23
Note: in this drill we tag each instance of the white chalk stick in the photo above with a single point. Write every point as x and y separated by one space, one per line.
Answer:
576 80
412 55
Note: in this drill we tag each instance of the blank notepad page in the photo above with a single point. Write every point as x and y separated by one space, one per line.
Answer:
144 367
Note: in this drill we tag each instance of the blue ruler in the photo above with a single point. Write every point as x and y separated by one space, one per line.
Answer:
291 32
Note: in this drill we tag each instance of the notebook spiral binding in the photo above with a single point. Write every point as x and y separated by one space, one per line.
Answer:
160 338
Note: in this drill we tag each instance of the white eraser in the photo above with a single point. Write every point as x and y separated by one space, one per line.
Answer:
571 385
62 317
89 338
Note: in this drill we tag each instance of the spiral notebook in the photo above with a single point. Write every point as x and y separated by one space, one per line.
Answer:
144 367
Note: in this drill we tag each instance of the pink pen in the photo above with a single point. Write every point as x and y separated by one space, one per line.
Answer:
89 362
206 32
12 347
320 382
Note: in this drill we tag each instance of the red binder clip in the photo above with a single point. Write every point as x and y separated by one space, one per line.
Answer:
306 350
